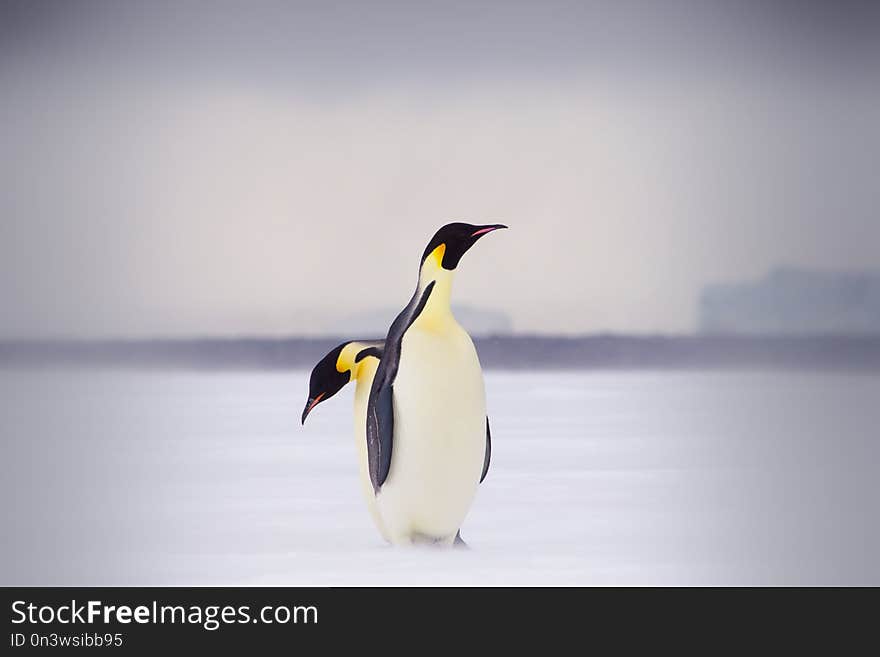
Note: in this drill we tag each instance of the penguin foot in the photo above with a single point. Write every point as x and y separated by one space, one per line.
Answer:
418 539
426 539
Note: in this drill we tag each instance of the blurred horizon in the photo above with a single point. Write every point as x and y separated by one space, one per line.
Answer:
805 353
784 302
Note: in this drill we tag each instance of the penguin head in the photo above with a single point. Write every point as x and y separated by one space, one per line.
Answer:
326 380
453 240
337 368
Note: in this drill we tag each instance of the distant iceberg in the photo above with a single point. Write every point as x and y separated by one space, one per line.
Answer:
792 301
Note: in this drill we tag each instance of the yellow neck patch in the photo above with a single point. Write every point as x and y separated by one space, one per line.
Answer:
345 360
437 314
436 257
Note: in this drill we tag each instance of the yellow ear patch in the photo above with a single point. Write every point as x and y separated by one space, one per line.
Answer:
345 360
436 256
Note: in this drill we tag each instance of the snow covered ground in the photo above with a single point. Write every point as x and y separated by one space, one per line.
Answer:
597 478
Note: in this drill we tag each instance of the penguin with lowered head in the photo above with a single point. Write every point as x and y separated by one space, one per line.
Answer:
355 360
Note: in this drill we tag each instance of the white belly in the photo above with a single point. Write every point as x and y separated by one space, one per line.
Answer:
361 396
439 436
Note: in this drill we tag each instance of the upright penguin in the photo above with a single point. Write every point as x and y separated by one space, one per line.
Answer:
355 360
428 439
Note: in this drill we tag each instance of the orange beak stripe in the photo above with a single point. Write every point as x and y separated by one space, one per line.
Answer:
314 403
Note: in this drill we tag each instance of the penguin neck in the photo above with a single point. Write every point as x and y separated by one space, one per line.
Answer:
437 313
347 361
365 369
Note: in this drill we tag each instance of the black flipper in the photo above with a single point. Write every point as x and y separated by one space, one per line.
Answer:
488 455
459 541
385 414
380 406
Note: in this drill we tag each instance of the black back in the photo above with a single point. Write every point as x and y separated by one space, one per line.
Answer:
380 406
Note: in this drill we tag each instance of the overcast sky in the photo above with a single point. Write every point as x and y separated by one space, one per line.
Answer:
268 167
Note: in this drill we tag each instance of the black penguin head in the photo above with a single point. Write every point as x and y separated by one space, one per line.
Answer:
457 238
326 380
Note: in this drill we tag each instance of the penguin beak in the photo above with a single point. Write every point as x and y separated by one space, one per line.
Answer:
310 404
483 230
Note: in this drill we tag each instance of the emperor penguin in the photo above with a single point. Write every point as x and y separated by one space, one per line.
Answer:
428 438
354 360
